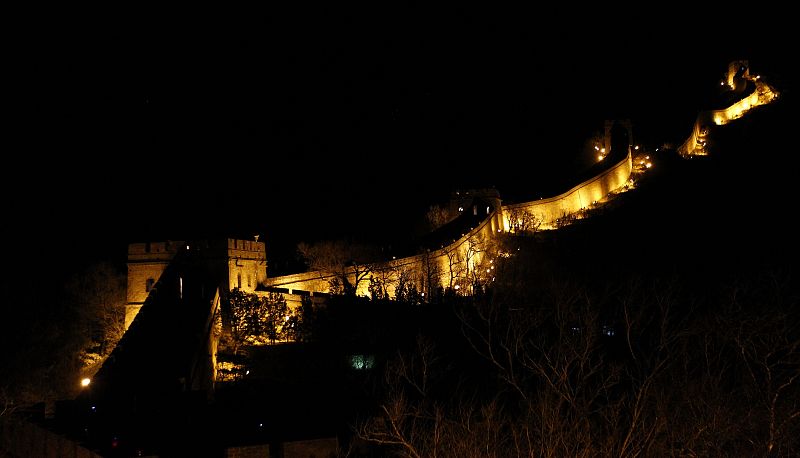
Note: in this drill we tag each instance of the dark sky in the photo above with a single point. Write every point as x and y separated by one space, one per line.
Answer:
130 125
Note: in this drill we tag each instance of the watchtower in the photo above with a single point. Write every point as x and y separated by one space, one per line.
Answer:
146 263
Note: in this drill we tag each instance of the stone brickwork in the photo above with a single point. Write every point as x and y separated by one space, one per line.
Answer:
242 262
146 263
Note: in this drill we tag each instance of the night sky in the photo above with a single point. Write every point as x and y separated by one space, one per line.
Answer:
319 123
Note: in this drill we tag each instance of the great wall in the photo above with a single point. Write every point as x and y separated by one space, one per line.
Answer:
466 259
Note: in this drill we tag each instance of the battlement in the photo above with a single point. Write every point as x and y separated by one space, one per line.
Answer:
246 248
153 251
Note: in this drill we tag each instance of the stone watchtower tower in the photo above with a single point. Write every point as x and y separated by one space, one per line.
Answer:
618 135
146 263
238 263
243 263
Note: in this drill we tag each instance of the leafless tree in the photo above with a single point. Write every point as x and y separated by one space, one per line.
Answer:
381 279
411 423
406 289
438 216
456 267
524 222
431 275
566 396
766 335
343 260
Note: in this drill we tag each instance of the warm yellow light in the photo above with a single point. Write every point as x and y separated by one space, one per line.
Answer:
599 157
456 287
596 148
86 382
602 150
636 147
648 165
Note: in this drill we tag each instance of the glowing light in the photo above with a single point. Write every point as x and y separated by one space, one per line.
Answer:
457 287
596 148
636 147
86 382
602 150
648 165
722 83
599 157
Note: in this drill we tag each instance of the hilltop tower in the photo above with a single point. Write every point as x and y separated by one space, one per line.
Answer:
618 134
737 75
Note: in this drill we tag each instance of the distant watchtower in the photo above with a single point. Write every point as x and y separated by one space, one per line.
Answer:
618 136
737 75
474 201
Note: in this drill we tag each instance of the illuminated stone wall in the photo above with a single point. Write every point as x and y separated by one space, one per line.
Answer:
247 264
579 197
471 256
307 281
456 265
763 94
146 263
